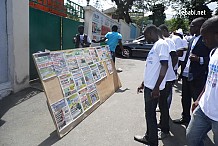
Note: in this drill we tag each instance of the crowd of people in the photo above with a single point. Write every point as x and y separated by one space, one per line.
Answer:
198 59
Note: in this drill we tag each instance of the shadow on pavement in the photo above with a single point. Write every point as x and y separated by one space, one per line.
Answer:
14 99
178 136
52 139
122 90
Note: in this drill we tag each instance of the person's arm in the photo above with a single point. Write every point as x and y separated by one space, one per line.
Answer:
88 41
101 40
174 58
181 46
120 44
195 104
201 60
164 66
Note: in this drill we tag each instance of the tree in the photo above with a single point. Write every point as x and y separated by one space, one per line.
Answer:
176 23
194 8
123 8
158 15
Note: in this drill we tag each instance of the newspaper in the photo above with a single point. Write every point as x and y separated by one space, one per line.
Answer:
67 84
85 99
71 60
109 66
101 53
95 72
93 93
105 55
80 58
61 114
108 52
75 105
44 64
88 75
87 56
79 79
94 55
101 69
59 63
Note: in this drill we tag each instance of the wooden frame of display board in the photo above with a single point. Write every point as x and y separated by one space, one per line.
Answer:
53 88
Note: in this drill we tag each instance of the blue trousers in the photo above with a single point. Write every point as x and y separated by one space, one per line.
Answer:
198 128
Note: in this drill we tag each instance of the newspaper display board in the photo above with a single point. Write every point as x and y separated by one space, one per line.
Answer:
76 82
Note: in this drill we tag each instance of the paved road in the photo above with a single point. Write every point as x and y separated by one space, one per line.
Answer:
25 120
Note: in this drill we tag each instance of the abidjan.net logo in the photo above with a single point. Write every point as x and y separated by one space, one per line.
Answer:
184 12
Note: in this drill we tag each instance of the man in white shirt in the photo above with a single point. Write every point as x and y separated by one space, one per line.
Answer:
205 114
164 94
154 81
178 46
181 52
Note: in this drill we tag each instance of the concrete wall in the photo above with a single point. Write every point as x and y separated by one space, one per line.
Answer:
97 23
99 19
18 42
125 30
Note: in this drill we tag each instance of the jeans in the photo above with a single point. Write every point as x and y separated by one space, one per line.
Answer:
164 109
198 128
150 116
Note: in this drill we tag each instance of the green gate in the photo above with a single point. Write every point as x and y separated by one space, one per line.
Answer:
69 32
52 32
44 29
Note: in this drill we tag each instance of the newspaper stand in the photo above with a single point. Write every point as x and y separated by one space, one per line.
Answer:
64 116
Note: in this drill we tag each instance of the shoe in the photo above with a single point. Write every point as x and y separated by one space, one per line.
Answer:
157 109
141 139
119 70
180 121
162 135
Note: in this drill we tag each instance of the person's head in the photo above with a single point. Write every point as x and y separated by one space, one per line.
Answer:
159 32
114 28
164 30
179 33
151 33
209 32
196 25
81 29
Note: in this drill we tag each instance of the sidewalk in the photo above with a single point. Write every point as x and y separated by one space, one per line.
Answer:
26 121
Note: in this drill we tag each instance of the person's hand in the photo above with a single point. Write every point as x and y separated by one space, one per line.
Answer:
74 40
194 57
155 93
194 105
140 88
94 41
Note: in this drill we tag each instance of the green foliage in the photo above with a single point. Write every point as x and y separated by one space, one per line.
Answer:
176 23
158 15
192 8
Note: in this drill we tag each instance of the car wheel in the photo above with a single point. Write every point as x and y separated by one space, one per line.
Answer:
127 52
